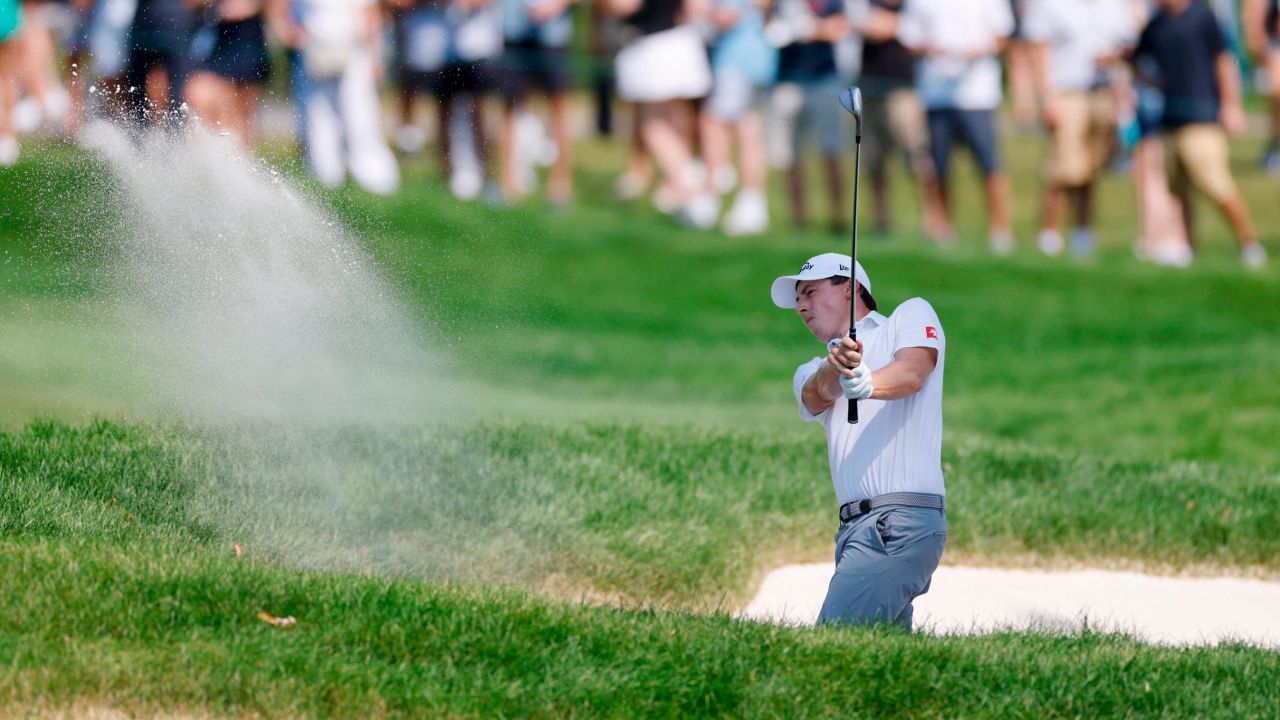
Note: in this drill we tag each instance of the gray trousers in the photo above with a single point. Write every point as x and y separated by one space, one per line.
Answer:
884 561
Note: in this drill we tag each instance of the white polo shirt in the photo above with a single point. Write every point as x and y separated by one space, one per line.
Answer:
897 444
1077 33
956 27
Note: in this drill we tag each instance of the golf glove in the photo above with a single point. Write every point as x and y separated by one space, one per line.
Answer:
859 386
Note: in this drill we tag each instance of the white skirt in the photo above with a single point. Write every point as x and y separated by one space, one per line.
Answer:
667 65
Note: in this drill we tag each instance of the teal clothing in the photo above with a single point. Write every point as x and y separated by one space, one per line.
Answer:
10 19
743 50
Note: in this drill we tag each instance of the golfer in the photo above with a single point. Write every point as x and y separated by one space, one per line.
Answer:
887 468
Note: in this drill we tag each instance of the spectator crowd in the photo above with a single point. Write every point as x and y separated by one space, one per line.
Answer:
718 92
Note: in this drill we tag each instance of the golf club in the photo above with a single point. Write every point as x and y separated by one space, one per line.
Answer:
851 99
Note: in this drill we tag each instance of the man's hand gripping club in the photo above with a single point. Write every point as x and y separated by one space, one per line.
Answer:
844 355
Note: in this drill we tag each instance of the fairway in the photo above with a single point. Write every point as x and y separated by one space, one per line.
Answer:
563 513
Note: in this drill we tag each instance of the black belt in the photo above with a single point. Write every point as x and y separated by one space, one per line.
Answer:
858 508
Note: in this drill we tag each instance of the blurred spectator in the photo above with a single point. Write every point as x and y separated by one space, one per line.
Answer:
46 101
959 82
536 35
661 67
230 55
893 117
335 71
1018 64
802 103
1162 237
1073 43
1202 104
446 47
743 64
10 27
1262 30
158 60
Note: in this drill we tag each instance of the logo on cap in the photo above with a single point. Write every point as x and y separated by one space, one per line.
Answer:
930 332
844 268
807 266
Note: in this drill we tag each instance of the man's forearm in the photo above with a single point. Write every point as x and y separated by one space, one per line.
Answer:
899 379
1228 80
821 390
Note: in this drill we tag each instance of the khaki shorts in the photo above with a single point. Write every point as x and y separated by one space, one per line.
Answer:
1197 157
897 120
1083 138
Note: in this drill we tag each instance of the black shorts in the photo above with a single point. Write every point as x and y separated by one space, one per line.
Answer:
451 80
527 67
239 52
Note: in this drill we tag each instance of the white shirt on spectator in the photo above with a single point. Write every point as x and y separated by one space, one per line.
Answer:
1077 33
897 444
953 30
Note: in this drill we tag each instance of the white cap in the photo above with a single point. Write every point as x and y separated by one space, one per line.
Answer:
818 267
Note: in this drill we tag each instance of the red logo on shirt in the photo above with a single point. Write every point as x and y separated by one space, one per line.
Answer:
930 332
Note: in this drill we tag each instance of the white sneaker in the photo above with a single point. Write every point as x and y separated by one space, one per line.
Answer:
1172 254
8 150
465 182
27 115
1082 242
1050 243
702 211
1001 243
666 200
725 179
410 139
629 187
1253 255
749 214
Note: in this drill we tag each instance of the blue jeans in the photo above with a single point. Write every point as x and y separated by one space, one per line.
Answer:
884 560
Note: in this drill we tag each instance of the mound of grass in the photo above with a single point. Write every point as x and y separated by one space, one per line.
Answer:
677 515
148 627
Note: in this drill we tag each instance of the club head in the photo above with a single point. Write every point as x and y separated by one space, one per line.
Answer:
851 99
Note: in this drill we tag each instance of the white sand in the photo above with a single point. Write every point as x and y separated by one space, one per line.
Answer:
1165 610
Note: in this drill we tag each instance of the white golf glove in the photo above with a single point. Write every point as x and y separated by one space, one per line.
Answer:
859 386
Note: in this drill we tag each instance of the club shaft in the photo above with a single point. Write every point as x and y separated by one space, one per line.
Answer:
853 256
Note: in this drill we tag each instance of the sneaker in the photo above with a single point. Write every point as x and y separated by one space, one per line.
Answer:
724 179
466 182
1082 242
749 214
410 139
666 200
1172 254
8 150
1050 243
1270 161
702 211
629 186
27 115
1253 255
1001 243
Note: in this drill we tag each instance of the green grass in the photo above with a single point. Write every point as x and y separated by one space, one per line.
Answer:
630 439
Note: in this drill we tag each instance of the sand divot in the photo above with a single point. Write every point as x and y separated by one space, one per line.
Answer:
963 600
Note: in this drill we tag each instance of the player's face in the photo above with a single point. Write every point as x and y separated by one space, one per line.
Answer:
824 307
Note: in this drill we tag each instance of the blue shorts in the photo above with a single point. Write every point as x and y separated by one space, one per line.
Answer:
884 560
976 128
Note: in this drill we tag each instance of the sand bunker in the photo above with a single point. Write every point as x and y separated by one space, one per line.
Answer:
1165 610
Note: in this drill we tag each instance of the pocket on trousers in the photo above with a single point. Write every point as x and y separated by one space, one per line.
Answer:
902 528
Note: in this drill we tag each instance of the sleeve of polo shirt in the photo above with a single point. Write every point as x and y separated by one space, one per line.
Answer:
1214 38
803 373
1001 17
913 27
917 325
